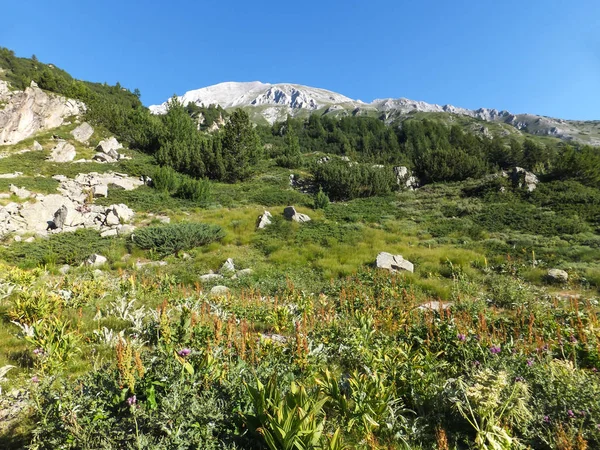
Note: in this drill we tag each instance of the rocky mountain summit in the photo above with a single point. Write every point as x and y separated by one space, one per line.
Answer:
273 102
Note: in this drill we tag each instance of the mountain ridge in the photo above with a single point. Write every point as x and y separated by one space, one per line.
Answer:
274 101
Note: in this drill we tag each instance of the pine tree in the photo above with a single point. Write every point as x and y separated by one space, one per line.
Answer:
241 147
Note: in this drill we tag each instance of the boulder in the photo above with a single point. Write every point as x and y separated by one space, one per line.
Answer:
22 193
37 146
125 230
393 263
524 179
64 269
60 216
109 147
290 213
63 152
263 220
243 273
111 219
210 277
95 260
558 276
103 158
11 175
435 306
123 212
83 132
109 233
219 291
404 178
100 190
228 267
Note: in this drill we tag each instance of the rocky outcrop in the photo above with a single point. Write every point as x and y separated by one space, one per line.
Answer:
524 179
70 209
393 263
290 213
108 150
405 179
96 260
83 133
31 111
219 291
63 152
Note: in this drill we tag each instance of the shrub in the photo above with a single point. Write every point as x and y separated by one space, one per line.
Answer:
173 238
321 199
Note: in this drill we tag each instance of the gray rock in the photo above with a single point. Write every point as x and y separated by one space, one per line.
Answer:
219 291
17 238
243 273
290 213
11 175
124 230
393 263
405 179
30 239
37 146
558 275
4 196
435 306
263 220
64 269
109 147
111 219
210 277
96 260
123 212
109 233
22 193
83 132
103 158
60 216
524 179
63 152
100 190
228 267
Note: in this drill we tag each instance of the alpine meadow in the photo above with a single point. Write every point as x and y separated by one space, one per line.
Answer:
275 266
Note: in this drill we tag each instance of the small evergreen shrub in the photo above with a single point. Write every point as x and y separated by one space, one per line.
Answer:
172 238
321 199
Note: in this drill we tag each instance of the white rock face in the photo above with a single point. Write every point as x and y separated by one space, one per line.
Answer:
63 152
96 260
290 213
263 220
33 110
276 101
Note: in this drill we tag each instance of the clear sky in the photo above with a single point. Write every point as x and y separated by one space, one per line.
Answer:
536 56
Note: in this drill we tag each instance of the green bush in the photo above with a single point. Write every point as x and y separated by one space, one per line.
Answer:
321 199
172 238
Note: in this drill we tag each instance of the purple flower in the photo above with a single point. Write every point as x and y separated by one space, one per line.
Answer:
570 413
132 400
519 379
529 362
573 339
38 351
495 349
184 352
476 363
582 413
546 419
594 370
35 379
461 337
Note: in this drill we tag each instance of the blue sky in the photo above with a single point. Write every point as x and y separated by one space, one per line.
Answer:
531 56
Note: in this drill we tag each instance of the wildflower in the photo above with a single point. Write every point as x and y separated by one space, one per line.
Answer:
184 352
35 379
573 339
38 351
495 349
529 362
476 363
132 400
461 337
582 413
594 370
570 413
546 419
519 379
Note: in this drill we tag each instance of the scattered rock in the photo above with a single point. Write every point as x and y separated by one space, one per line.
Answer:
17 238
103 158
95 260
125 230
60 216
83 132
228 267
22 193
29 239
243 273
63 152
393 263
558 275
100 190
404 178
109 233
263 220
435 306
4 195
64 269
210 277
11 175
110 148
521 178
123 212
290 213
219 291
37 146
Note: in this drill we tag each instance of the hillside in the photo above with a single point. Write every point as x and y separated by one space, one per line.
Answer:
392 275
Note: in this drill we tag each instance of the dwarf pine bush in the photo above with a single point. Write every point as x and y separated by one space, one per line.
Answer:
172 238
